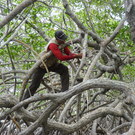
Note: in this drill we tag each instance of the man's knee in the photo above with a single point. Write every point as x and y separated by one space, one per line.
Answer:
65 70
33 88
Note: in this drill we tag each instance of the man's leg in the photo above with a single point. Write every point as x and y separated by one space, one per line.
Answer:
36 80
62 70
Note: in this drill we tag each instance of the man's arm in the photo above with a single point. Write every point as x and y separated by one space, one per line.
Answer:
58 54
67 51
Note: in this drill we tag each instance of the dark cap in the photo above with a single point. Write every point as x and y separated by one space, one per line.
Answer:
60 35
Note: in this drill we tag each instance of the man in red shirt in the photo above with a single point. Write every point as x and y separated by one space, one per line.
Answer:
60 53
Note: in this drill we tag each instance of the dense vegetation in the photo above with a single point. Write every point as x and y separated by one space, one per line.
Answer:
103 103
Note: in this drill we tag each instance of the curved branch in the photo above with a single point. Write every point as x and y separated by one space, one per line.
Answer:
105 68
101 112
60 98
8 103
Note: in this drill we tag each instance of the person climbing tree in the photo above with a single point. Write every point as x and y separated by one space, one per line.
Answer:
60 52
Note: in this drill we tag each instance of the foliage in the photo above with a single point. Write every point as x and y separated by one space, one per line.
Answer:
98 19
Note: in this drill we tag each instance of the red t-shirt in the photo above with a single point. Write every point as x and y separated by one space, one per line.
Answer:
59 55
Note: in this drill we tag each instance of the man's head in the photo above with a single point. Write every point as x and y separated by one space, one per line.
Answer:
60 36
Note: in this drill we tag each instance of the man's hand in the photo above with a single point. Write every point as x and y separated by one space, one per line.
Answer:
78 55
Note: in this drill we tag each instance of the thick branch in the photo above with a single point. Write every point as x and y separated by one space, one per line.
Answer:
101 112
89 84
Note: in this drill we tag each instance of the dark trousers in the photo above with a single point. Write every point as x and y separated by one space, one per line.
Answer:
59 68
